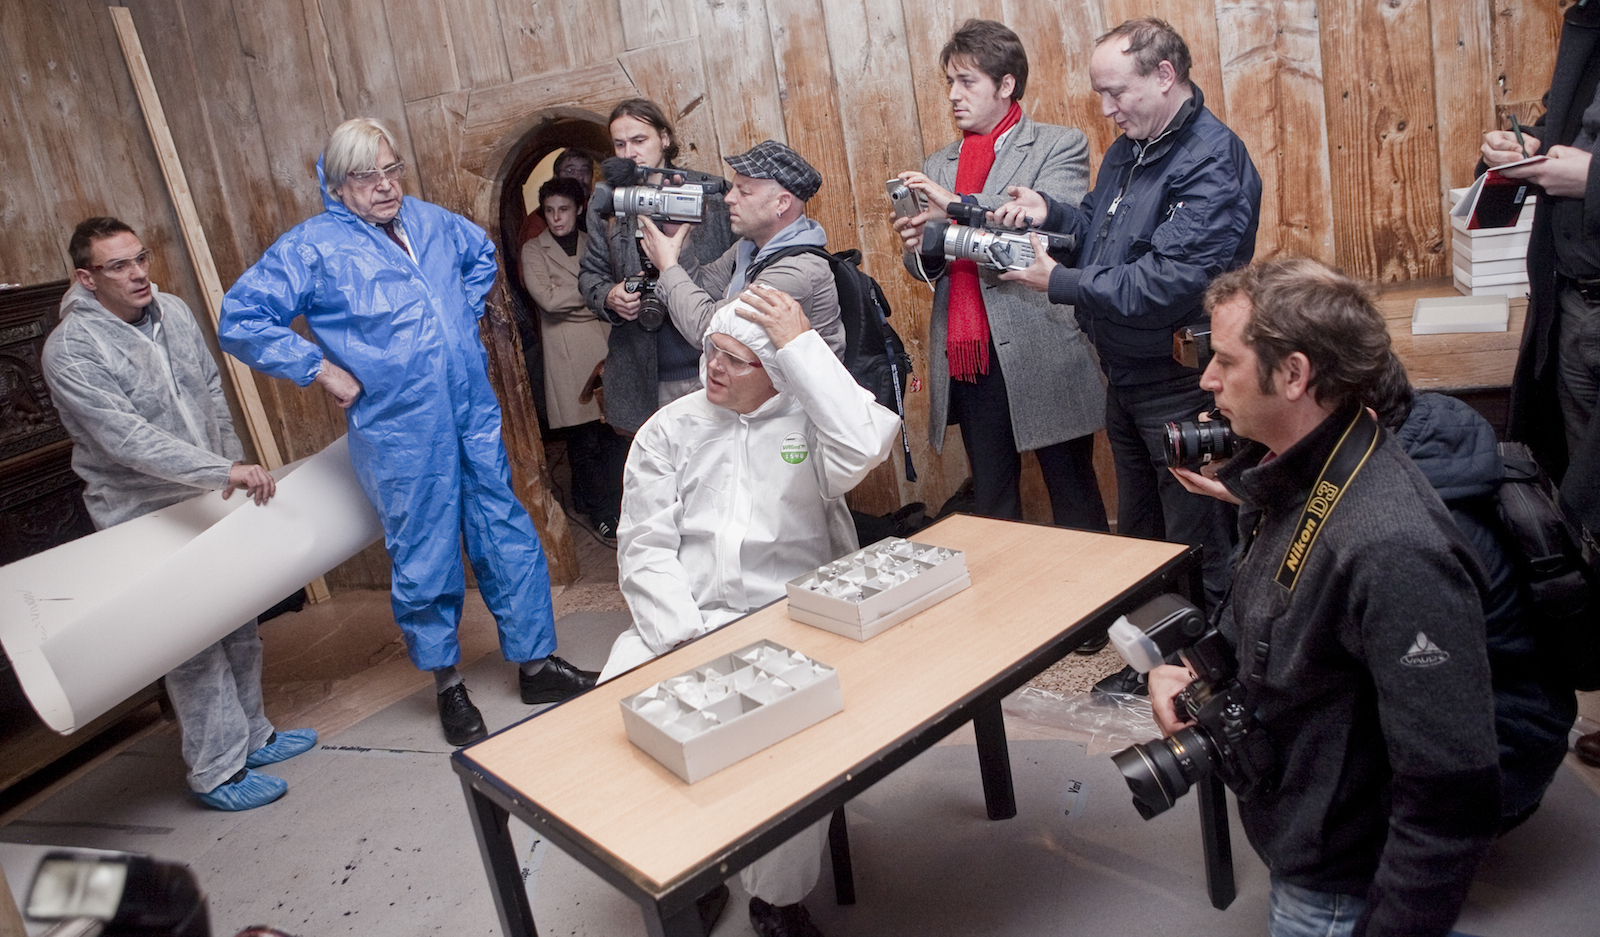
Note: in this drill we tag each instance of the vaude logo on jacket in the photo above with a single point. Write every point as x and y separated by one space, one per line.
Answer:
794 449
1424 653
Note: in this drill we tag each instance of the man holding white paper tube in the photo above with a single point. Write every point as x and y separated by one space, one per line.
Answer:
139 393
732 491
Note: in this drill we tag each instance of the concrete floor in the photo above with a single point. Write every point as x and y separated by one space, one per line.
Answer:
373 837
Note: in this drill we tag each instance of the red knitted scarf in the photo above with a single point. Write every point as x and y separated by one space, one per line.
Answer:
967 344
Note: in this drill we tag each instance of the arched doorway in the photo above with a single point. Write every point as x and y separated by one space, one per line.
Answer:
552 133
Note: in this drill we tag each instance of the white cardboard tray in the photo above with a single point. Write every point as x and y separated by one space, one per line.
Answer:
878 611
768 703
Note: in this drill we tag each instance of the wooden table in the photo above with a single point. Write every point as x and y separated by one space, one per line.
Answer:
571 774
1475 366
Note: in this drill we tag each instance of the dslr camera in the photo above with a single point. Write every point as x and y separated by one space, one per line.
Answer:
1225 739
652 309
968 235
1194 443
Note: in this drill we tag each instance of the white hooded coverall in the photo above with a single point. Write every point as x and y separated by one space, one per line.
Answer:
721 509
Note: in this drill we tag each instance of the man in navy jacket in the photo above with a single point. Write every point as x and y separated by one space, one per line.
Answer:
1175 204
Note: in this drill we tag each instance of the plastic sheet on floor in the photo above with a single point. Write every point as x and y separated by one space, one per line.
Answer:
1104 722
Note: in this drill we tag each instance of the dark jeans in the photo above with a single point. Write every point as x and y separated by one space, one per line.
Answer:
1150 502
984 414
597 454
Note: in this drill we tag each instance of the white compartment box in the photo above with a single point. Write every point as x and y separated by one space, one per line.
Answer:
875 588
1437 315
727 709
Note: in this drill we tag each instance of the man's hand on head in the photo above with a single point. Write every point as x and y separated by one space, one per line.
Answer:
662 248
340 384
780 314
1035 276
253 479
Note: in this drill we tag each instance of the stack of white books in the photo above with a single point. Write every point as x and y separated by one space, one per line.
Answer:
1490 261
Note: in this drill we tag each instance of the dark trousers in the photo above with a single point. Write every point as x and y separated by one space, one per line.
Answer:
1150 502
983 412
597 454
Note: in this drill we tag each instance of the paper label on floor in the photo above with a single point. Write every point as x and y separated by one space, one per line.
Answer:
1077 798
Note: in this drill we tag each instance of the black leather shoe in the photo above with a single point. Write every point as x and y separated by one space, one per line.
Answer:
710 906
789 920
462 722
1127 680
556 681
1588 748
1092 647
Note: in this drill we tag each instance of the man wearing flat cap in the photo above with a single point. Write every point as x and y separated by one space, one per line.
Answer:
767 210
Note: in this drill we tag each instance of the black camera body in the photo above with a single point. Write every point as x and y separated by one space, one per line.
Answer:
1225 740
1194 443
968 235
652 309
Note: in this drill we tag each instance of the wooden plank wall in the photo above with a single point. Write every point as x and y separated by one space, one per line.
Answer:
1358 114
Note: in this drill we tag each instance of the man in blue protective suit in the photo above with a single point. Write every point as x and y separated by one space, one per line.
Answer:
392 288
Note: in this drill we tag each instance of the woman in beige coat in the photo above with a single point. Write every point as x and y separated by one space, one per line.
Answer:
574 341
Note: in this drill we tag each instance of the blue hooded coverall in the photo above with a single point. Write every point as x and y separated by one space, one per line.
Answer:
425 430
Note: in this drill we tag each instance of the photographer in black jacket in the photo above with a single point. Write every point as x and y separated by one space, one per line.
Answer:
1355 614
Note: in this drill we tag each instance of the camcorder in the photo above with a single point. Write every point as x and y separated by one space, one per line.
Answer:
1225 739
968 235
1194 443
631 194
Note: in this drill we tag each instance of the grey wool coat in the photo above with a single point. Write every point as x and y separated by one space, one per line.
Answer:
1053 378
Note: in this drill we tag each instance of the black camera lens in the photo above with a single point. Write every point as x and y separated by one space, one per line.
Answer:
1192 444
1161 771
652 312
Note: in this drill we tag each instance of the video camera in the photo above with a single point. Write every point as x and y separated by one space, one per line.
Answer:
631 194
1225 739
968 235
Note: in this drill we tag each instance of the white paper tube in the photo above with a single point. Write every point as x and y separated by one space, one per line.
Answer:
89 623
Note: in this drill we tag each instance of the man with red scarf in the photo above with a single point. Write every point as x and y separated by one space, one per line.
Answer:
1014 372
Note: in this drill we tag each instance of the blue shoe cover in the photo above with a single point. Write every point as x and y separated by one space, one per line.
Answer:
288 744
252 790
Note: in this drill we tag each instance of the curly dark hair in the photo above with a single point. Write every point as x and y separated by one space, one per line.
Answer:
1301 304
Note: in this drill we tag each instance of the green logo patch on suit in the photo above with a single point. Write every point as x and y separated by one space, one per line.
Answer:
794 449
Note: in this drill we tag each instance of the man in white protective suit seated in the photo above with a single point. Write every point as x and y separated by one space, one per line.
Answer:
729 493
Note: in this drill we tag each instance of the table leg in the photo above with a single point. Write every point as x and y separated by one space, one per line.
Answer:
844 879
994 763
685 923
1214 837
490 824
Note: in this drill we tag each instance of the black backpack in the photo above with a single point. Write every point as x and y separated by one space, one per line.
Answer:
873 352
1546 552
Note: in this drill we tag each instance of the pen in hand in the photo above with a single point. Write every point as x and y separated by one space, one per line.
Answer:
1516 128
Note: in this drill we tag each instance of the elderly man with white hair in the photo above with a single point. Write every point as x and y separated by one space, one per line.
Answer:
729 493
392 288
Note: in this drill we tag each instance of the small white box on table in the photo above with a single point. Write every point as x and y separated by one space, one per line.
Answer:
875 588
727 709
